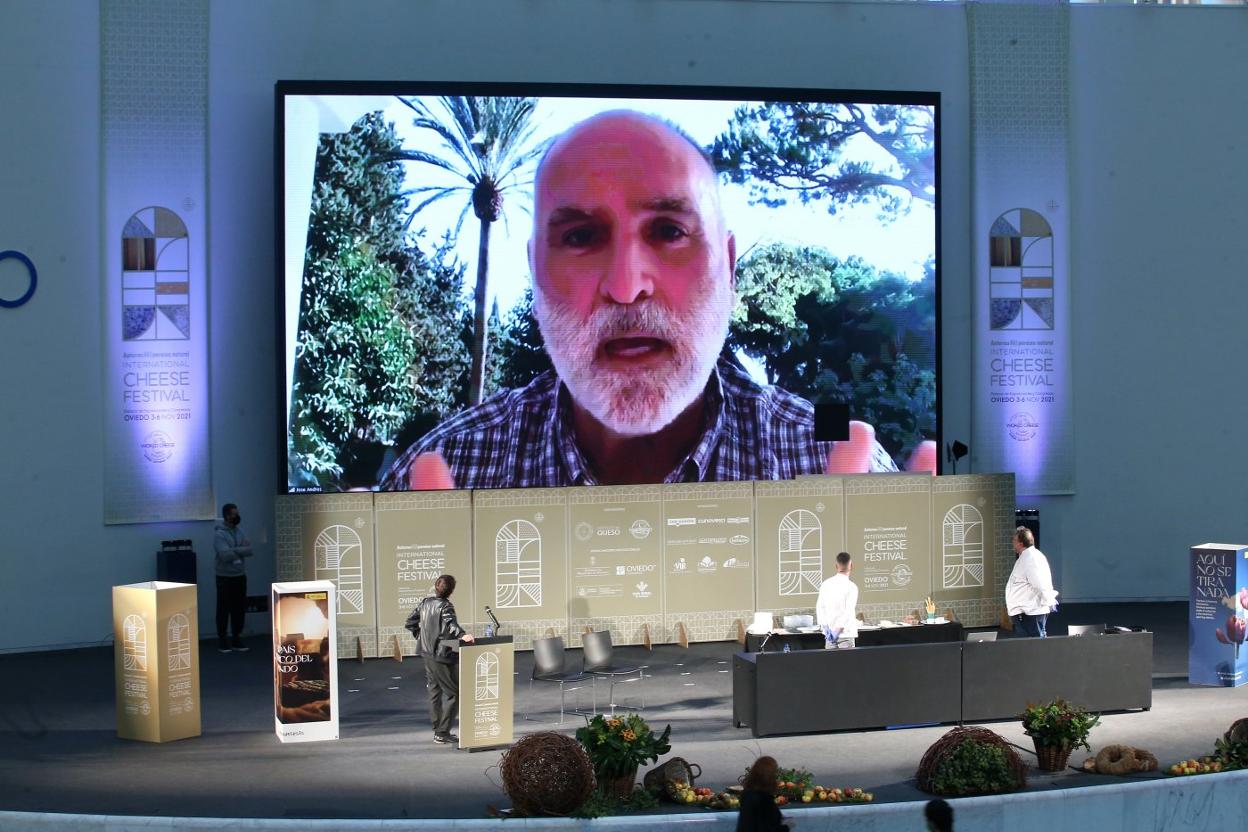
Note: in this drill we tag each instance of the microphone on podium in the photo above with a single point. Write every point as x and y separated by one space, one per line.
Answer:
490 613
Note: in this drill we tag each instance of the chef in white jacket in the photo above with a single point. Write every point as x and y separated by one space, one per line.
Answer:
836 609
1029 593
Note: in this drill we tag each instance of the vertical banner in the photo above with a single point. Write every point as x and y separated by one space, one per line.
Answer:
154 103
1022 411
801 528
421 535
487 693
1217 615
615 560
156 649
520 549
708 554
888 533
305 662
329 537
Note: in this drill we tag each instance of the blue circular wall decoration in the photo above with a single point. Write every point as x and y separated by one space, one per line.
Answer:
30 270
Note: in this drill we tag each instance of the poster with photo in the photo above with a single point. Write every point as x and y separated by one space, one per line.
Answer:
305 662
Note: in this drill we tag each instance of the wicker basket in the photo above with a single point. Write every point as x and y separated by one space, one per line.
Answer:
1051 757
677 768
619 788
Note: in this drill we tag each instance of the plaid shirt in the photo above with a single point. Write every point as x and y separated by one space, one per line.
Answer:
523 438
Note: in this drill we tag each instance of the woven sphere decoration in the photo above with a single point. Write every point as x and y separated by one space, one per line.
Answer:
944 746
547 774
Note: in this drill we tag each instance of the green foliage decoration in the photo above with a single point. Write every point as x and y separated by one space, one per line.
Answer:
373 348
1059 723
974 767
618 745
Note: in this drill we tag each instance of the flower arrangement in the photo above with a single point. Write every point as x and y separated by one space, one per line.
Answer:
618 745
1060 724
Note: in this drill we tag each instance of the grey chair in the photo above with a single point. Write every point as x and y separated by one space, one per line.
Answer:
550 667
599 665
1085 629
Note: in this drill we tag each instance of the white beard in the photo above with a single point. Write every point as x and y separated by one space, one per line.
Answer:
643 401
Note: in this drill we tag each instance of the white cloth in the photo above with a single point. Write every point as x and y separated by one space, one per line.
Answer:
1030 587
838 598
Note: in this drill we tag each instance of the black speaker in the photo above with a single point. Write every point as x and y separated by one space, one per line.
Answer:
176 566
1029 517
831 422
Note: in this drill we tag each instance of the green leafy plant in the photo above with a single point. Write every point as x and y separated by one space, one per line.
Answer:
599 804
1059 723
617 745
1231 752
799 777
974 767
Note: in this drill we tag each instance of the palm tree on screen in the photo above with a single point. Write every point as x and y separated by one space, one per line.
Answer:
486 145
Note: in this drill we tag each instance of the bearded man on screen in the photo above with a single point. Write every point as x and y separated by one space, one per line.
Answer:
633 286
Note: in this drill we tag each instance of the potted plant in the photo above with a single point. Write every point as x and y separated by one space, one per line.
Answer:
1057 728
616 746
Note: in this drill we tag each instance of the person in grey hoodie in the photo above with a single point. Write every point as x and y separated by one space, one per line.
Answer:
231 547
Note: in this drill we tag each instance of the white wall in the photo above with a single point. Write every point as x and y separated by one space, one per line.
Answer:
1145 233
1159 262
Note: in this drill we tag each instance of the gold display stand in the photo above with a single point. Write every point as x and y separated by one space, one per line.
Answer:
156 648
486 693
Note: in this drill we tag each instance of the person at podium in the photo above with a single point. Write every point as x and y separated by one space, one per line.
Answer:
836 609
432 623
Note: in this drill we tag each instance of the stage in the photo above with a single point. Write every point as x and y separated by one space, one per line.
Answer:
59 752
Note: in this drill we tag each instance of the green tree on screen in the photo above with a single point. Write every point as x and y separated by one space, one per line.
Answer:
839 154
518 347
487 147
372 347
838 330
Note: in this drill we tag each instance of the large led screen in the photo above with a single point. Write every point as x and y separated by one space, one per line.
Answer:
507 286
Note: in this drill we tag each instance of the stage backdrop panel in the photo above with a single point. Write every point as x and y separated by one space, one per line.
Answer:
156 647
615 561
801 528
520 554
329 537
708 559
888 533
421 535
972 520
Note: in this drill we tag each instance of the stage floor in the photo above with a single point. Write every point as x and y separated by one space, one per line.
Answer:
59 751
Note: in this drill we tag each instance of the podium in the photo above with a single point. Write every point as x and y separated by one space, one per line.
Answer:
487 692
156 664
1217 618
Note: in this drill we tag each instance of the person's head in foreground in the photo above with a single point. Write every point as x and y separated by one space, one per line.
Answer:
632 268
762 776
939 816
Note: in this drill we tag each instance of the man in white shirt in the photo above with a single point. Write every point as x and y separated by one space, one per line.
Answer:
835 609
1029 593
